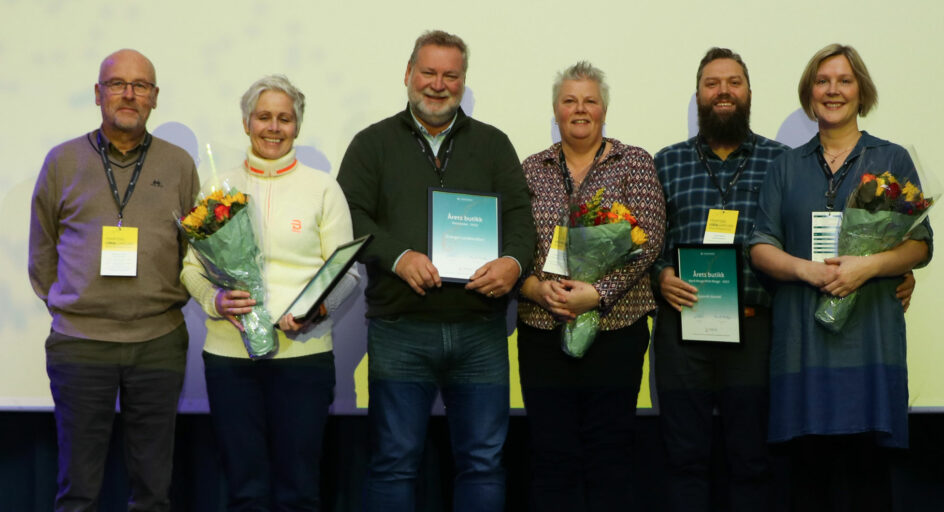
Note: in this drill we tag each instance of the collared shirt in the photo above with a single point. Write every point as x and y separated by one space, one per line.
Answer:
627 175
690 192
797 186
117 158
435 141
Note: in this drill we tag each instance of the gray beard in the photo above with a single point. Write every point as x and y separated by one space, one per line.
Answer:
433 119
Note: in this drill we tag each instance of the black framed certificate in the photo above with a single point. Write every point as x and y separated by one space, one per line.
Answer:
306 305
464 231
715 271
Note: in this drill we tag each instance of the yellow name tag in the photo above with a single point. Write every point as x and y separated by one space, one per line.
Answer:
119 251
556 262
721 226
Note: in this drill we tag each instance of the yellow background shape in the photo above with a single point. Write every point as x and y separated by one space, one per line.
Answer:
517 401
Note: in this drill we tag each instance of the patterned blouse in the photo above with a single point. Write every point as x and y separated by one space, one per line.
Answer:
629 177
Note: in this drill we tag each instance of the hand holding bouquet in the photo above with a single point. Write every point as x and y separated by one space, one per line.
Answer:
600 239
219 229
879 215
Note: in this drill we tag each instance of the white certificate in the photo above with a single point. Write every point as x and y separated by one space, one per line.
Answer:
825 230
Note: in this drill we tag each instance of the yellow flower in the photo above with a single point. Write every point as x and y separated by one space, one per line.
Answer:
619 209
216 195
195 218
638 235
881 185
911 192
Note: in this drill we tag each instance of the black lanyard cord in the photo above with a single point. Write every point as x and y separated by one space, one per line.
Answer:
834 180
121 203
568 180
725 192
438 166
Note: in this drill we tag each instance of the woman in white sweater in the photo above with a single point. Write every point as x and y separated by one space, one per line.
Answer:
269 415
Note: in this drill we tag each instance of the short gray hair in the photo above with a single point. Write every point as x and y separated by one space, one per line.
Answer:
582 70
273 83
441 38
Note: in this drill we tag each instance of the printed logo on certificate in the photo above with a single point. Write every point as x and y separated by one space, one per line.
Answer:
714 270
464 231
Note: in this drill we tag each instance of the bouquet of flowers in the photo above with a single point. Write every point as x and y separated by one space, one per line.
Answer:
879 215
219 229
600 239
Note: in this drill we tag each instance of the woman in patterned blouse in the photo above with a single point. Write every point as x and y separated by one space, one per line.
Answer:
581 411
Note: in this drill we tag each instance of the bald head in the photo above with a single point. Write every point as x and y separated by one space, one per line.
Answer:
127 56
126 92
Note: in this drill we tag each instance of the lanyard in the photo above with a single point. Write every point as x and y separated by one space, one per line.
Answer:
714 177
121 203
439 167
568 180
834 181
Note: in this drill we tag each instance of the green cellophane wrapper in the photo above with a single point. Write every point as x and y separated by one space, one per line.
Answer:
592 252
232 260
862 233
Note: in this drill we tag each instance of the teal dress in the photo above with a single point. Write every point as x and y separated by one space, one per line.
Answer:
821 383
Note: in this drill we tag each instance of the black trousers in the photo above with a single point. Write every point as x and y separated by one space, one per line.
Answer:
581 415
691 380
843 473
268 419
86 377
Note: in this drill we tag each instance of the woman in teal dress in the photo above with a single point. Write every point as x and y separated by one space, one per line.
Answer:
840 399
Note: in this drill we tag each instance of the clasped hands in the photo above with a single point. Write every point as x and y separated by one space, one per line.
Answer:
565 299
493 279
842 275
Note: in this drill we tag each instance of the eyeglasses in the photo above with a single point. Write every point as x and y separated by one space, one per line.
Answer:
119 87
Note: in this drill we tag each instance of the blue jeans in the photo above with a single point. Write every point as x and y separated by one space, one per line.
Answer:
268 419
408 361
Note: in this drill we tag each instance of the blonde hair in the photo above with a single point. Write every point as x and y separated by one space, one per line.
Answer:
868 94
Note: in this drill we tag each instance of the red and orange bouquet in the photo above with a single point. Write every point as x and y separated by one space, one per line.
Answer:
219 229
879 215
212 212
601 238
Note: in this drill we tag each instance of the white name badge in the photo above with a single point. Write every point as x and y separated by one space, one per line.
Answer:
556 262
721 226
825 230
119 251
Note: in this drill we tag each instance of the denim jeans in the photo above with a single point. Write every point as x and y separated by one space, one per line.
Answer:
408 361
268 419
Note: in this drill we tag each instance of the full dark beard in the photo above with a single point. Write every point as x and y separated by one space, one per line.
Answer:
730 129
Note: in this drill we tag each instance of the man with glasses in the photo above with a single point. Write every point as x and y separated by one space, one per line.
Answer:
105 256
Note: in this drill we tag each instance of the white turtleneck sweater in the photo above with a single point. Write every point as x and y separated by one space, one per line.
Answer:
301 216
